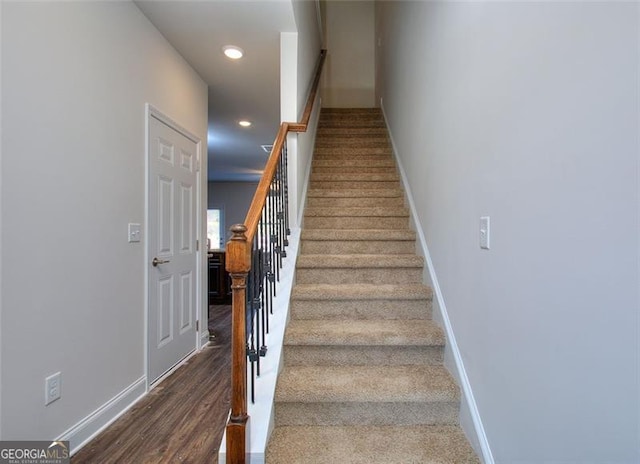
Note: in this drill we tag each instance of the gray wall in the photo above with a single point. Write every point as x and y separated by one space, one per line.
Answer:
309 45
75 81
349 78
234 198
528 112
308 26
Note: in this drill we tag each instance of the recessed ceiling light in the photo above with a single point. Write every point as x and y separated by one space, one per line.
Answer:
244 123
233 52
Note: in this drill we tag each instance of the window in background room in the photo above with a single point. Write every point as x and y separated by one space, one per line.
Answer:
215 226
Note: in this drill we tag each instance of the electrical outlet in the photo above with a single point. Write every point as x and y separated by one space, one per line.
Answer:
485 231
52 388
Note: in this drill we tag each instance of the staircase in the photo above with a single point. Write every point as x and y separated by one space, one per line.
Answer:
363 380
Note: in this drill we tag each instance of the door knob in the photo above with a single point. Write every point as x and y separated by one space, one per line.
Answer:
157 261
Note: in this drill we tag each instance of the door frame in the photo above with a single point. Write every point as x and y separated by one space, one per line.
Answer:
153 112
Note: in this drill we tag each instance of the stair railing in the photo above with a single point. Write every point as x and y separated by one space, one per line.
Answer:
253 259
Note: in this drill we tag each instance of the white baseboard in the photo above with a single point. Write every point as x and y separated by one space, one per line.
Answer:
463 379
85 430
315 118
204 339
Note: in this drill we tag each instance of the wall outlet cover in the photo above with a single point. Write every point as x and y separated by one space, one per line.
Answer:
485 232
52 388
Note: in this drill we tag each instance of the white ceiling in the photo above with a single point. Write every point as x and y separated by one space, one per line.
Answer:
245 89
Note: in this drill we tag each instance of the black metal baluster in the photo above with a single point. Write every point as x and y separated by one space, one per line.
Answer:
280 217
285 179
254 306
283 182
274 241
267 253
262 351
266 301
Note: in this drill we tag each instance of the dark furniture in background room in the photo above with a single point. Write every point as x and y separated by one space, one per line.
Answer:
219 281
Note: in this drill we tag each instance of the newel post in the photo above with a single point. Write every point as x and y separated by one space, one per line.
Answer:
238 264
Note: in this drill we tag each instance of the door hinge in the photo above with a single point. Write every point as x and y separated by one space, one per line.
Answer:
197 245
197 326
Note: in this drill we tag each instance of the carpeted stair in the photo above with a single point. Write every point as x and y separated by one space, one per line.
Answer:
363 380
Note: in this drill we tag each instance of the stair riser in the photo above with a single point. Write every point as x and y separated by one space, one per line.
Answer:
351 131
377 276
377 170
337 185
350 120
415 413
357 158
374 142
354 193
369 247
366 202
356 222
353 152
381 162
390 445
375 211
363 110
352 116
362 355
344 155
361 309
354 177
338 122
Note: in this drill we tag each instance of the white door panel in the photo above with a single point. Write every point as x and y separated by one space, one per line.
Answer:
172 238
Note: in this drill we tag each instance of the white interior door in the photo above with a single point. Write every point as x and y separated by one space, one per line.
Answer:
172 247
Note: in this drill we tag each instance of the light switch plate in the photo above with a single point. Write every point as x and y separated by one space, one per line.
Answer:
134 232
52 388
485 232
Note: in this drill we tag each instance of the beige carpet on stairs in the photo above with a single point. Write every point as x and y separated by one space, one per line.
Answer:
363 380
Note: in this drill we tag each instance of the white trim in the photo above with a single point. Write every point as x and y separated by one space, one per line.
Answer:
315 118
261 417
451 339
1 228
89 427
204 336
152 111
174 368
319 17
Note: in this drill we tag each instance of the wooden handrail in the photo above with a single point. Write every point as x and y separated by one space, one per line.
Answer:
238 264
255 209
306 115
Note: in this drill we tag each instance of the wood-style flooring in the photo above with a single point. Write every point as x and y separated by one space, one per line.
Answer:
183 418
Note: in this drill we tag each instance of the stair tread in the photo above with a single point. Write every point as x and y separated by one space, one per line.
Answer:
358 234
424 444
354 261
366 384
361 292
320 332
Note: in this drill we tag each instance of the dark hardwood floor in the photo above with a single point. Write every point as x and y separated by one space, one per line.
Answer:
182 419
